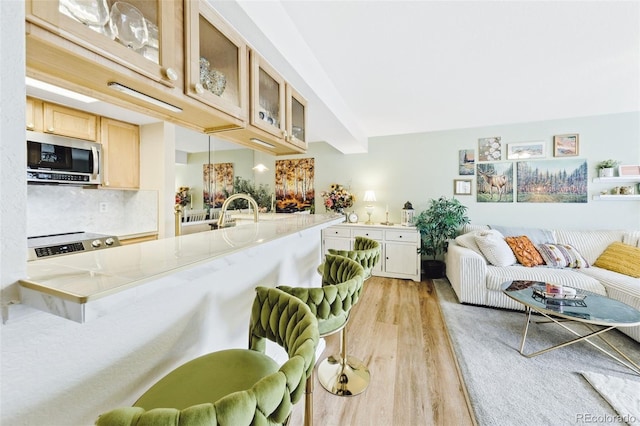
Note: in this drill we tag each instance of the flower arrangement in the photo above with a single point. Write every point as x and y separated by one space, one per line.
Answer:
183 197
337 198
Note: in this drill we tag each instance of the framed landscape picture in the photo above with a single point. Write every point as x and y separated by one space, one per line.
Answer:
552 181
466 162
524 150
565 145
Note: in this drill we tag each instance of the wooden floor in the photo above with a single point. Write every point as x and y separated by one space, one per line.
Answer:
397 330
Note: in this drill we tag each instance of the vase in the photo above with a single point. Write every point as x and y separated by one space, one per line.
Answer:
606 172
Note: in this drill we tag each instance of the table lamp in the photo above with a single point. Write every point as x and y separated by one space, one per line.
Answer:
369 196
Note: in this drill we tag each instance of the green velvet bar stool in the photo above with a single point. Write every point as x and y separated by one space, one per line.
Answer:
236 387
365 251
332 303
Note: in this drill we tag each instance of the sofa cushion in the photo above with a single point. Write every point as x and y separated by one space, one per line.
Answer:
621 258
494 248
468 240
590 244
632 238
496 276
524 250
562 256
536 235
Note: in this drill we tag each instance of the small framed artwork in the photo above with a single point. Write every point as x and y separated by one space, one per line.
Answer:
466 162
565 145
627 170
490 149
462 187
524 150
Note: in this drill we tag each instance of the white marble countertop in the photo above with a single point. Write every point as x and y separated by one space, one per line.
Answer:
84 277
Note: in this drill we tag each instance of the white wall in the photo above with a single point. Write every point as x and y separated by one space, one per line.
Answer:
13 156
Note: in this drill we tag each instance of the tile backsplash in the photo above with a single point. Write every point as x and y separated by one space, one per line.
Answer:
53 209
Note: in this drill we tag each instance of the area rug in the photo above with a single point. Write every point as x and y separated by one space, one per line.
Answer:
507 388
622 394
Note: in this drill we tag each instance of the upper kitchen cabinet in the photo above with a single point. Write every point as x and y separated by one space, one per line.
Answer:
277 113
267 98
216 61
138 34
296 118
120 154
60 120
131 54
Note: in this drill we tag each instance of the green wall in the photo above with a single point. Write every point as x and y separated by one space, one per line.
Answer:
417 167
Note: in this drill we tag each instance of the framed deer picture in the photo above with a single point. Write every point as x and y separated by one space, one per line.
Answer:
495 182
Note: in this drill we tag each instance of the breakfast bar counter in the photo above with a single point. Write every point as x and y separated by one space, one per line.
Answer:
140 310
87 285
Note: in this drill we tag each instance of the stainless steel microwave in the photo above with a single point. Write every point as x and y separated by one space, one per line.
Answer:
58 159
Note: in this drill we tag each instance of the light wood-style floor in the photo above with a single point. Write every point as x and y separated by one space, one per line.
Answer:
397 330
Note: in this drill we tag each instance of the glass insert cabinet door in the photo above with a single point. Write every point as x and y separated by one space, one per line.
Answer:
138 34
267 97
296 118
217 64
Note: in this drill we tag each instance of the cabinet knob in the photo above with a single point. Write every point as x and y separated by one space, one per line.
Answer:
400 236
171 74
199 88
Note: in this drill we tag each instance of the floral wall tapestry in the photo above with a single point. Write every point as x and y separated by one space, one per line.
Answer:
294 185
552 181
217 178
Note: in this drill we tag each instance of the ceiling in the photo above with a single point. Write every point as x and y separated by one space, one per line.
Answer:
377 68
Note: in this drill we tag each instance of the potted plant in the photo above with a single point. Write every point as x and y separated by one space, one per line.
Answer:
439 223
605 168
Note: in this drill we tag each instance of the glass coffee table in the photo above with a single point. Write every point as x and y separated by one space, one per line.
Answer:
599 313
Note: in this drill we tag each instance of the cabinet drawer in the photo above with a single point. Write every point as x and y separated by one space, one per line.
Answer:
374 234
337 232
407 236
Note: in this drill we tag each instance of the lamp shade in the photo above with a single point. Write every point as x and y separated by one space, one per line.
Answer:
369 196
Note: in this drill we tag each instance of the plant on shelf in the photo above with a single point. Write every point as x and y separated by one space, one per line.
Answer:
605 168
439 223
607 164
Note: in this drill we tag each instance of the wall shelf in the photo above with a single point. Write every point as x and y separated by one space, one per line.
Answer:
612 197
616 179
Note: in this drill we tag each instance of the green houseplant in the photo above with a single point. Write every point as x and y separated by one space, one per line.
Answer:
605 168
437 224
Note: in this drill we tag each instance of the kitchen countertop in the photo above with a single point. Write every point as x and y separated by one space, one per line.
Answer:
84 277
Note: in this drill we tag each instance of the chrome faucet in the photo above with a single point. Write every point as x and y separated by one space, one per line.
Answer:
247 197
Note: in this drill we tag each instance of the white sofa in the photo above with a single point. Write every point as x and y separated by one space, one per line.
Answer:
476 281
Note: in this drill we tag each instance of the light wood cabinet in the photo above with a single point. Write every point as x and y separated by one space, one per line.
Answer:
34 114
399 255
60 120
120 154
73 123
296 118
216 61
267 97
154 60
277 113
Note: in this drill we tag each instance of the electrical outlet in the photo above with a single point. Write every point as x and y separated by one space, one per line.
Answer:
104 207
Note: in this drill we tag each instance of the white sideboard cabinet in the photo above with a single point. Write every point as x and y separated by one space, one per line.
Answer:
399 256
